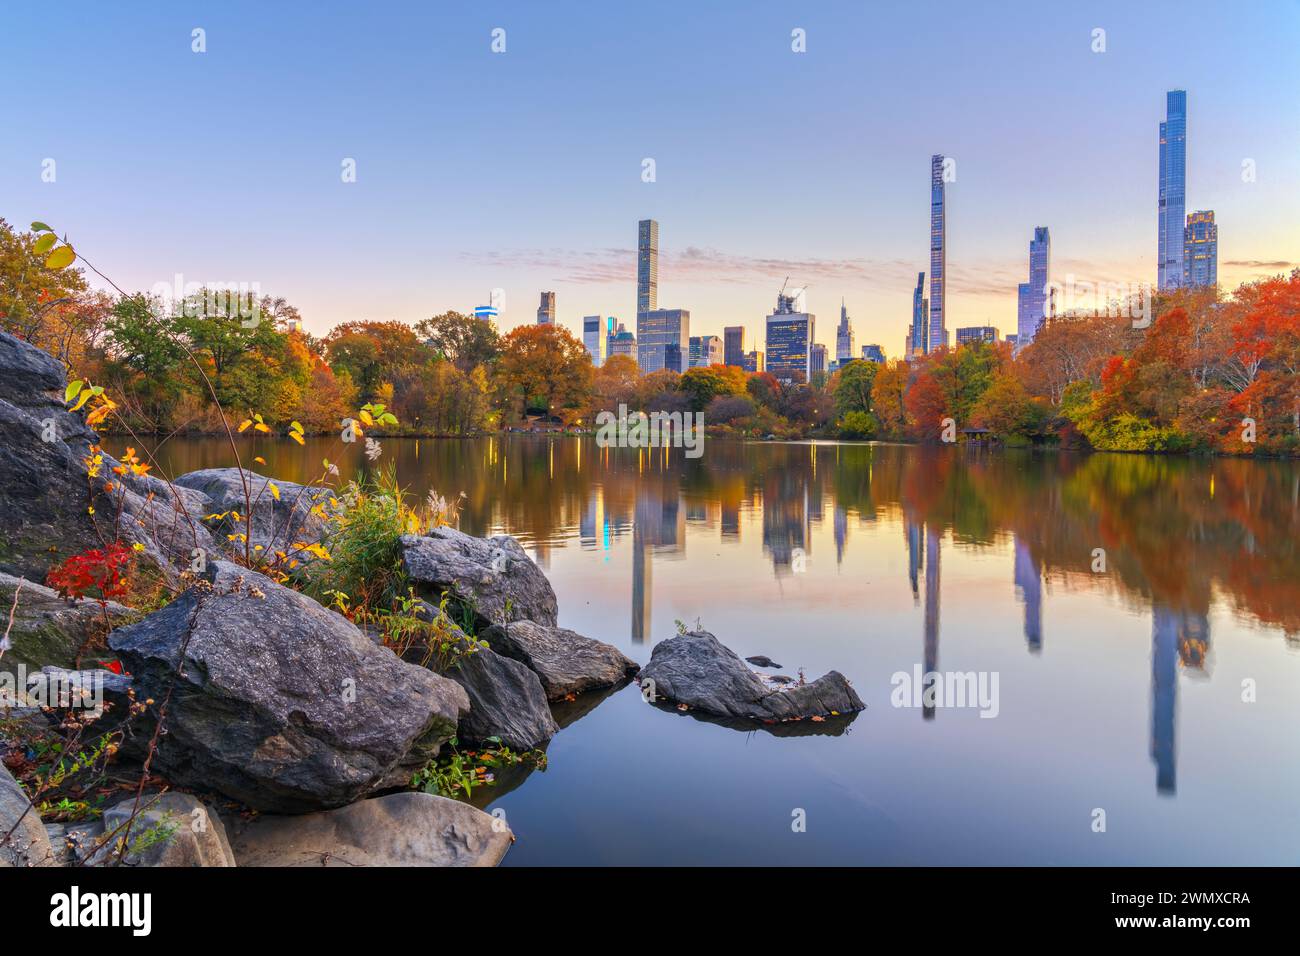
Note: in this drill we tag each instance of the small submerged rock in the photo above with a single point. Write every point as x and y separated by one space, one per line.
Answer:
695 669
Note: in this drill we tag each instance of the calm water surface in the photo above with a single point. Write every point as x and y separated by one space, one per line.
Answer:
1121 691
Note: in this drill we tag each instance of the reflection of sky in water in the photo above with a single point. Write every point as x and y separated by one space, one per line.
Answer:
1120 691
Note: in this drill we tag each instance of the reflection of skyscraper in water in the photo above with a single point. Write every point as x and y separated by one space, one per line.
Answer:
1029 588
730 519
915 557
785 518
642 583
1175 636
660 522
841 532
931 613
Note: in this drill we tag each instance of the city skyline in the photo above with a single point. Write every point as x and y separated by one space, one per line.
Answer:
427 228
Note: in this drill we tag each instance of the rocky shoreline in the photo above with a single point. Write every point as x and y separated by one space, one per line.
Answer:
265 728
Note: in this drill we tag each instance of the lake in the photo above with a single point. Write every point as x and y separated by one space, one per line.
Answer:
1137 616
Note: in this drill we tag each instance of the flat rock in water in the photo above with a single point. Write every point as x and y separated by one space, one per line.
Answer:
506 700
401 829
280 704
566 662
695 669
493 577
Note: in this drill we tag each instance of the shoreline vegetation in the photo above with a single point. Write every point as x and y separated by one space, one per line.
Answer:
252 671
1211 371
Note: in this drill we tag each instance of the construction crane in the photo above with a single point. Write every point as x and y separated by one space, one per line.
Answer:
786 303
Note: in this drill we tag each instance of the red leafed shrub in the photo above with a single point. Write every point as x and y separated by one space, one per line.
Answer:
100 574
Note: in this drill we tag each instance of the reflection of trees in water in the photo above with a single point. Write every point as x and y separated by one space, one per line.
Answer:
1175 530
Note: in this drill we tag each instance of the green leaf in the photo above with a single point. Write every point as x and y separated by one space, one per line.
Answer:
71 391
45 243
61 258
40 227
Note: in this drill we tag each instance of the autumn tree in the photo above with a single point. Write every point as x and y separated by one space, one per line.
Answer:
543 368
887 398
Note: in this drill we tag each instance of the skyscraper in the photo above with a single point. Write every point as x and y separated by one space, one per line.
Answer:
1201 249
620 342
938 337
844 337
789 340
733 350
919 338
976 333
705 350
595 335
546 311
647 266
1032 296
816 359
873 353
663 339
1173 190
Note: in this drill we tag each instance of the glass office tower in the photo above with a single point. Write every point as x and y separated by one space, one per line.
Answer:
1173 190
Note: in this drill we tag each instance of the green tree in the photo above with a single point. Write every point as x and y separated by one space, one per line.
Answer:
852 386
462 339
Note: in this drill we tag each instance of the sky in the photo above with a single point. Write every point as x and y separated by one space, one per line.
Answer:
523 170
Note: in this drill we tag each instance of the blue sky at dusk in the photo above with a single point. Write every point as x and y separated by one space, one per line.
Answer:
522 170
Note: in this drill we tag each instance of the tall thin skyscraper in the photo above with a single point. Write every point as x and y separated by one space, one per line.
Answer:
845 340
938 257
1173 190
1032 301
647 265
1201 249
546 311
920 341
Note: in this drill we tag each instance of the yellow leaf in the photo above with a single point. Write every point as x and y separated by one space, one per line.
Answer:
275 490
296 437
262 428
85 397
260 460
365 417
245 423
60 258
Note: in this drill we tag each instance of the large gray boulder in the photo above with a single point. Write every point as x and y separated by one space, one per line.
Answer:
695 669
506 700
401 829
48 630
277 523
493 577
566 662
50 507
171 829
23 841
277 702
